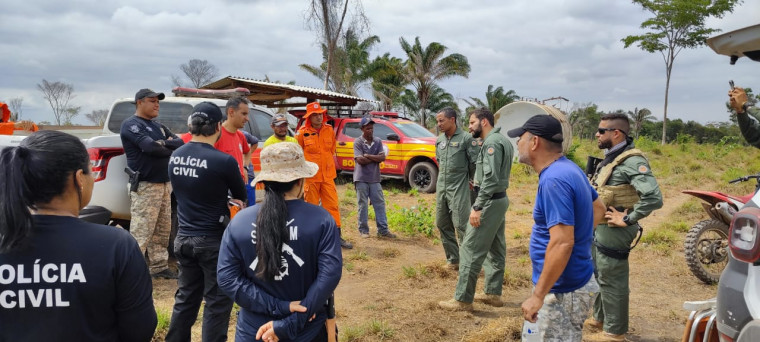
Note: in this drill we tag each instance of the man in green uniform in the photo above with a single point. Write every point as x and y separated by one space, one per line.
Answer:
739 104
484 244
629 191
456 152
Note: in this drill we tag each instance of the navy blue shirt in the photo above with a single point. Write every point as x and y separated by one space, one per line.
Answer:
76 281
310 272
144 154
201 177
564 196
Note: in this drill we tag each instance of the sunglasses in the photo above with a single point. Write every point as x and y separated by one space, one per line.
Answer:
605 130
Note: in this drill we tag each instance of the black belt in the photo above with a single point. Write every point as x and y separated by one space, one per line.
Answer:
620 254
493 197
499 195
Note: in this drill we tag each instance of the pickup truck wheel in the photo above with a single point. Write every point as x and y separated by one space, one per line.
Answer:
423 176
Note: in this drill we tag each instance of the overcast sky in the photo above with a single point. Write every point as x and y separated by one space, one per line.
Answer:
539 48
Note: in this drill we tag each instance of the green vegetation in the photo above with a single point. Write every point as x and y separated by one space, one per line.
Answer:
414 272
359 254
418 219
379 329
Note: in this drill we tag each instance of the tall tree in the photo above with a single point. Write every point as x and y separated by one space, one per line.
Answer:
638 118
495 99
15 106
675 25
69 114
97 116
426 66
326 18
58 95
438 99
351 64
199 72
584 119
388 80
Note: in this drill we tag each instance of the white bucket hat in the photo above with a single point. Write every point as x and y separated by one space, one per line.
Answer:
284 162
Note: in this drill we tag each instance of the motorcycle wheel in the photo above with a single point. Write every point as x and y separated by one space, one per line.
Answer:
706 250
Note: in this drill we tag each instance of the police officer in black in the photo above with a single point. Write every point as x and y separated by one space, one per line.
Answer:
201 177
61 278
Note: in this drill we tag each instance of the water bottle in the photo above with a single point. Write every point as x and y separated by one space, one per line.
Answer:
530 332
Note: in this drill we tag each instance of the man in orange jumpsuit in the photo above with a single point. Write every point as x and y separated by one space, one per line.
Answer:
317 139
7 127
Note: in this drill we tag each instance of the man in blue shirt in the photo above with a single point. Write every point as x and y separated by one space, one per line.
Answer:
201 177
566 210
369 152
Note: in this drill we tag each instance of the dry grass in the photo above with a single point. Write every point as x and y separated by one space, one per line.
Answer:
375 301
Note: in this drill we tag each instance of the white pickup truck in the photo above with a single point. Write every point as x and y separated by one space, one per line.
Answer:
107 154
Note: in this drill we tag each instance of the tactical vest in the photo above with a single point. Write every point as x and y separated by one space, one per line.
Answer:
623 195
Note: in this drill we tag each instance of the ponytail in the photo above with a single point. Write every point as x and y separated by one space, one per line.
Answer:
37 171
271 229
15 218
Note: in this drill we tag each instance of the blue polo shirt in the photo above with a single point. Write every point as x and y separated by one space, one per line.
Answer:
564 196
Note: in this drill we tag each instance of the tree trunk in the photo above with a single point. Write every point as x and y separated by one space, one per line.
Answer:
669 68
329 38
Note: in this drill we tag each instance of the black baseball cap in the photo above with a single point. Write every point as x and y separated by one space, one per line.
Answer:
145 92
545 126
208 111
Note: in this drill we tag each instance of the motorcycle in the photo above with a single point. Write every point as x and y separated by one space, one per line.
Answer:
706 243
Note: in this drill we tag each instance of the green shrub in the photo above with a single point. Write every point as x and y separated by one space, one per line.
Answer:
659 237
414 220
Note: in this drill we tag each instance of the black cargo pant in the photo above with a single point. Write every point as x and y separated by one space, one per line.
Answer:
197 257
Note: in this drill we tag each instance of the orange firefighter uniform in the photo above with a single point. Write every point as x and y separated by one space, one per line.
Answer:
7 127
319 147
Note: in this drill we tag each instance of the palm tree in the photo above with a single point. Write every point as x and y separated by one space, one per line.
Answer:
426 66
438 99
387 79
639 117
350 67
495 99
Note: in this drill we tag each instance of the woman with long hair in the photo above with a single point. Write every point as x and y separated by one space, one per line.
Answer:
280 260
63 279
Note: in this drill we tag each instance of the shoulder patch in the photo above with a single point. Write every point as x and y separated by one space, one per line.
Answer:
442 145
474 143
134 129
490 150
643 168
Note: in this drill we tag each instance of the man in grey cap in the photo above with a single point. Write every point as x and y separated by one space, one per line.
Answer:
280 128
148 146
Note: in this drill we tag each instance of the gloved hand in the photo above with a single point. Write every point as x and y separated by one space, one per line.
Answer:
737 99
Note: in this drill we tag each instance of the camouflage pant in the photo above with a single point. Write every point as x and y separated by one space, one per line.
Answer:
561 318
151 222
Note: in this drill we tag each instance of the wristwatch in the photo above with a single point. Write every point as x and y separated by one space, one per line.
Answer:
627 220
477 208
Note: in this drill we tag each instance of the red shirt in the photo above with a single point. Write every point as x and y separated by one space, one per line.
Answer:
235 145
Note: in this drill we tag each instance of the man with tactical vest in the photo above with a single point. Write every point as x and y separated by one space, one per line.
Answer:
629 191
456 152
484 245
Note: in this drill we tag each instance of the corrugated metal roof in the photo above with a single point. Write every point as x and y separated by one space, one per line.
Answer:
268 93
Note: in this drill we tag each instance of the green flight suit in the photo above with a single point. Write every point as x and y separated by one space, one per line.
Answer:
611 303
456 167
750 128
485 246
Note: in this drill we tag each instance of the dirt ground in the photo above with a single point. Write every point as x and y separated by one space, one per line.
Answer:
390 288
